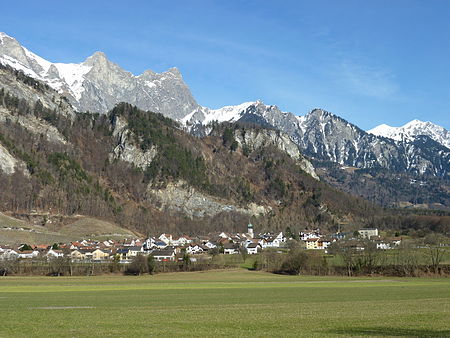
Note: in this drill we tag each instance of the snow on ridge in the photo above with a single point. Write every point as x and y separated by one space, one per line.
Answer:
4 35
205 115
40 61
9 61
384 130
70 75
412 129
227 113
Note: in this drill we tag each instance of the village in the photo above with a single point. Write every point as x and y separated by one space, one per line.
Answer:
168 247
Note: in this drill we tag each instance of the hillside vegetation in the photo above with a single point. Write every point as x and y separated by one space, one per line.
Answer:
117 166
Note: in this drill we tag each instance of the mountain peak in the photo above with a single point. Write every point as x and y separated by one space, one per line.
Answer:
174 71
382 130
318 112
4 35
413 129
8 41
97 57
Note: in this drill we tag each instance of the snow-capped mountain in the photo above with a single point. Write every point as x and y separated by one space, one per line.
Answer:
325 136
412 129
98 84
205 115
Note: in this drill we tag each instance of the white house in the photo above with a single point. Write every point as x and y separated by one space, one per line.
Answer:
280 237
180 241
27 254
388 244
9 253
307 234
253 248
149 243
55 253
133 251
194 249
382 245
368 233
163 255
210 245
230 249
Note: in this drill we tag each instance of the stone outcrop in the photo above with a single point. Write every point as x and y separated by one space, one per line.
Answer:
180 197
126 149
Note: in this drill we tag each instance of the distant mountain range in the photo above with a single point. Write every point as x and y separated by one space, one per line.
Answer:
325 136
97 85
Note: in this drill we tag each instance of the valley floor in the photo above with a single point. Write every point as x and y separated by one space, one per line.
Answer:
223 303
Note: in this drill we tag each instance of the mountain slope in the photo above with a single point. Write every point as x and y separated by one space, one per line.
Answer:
98 84
141 170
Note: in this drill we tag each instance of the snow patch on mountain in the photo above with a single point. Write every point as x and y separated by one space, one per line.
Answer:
73 75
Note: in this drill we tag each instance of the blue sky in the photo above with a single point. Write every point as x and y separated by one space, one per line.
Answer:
370 62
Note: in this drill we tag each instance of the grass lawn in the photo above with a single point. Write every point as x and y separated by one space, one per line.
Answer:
225 303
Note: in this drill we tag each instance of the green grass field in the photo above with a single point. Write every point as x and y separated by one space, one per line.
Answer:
226 303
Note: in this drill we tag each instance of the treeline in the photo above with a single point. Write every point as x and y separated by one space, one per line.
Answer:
410 259
139 265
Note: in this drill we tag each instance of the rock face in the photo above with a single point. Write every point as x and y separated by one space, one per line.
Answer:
126 149
31 94
8 163
181 197
33 125
97 84
259 138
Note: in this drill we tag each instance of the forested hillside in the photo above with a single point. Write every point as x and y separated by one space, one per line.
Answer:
142 171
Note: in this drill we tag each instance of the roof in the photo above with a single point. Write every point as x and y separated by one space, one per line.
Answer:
229 246
312 239
162 253
253 245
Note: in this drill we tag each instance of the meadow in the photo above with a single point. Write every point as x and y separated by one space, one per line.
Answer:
224 303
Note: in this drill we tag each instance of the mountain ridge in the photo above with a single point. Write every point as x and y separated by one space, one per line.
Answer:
98 84
326 136
412 129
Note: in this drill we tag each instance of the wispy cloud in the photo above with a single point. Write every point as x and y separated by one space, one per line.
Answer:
366 80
